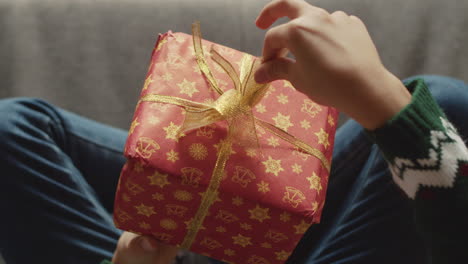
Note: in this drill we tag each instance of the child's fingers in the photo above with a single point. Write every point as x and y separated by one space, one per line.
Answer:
280 8
276 69
276 41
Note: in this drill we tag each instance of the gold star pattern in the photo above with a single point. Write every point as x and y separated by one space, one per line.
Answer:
296 168
331 120
198 151
282 255
148 82
285 217
158 179
220 229
288 84
251 152
172 156
217 196
237 201
245 226
314 181
266 245
322 137
219 145
158 196
301 228
241 240
260 108
172 131
134 124
161 43
263 187
145 210
138 167
167 76
272 166
153 120
259 213
305 124
188 88
144 225
273 141
196 69
126 198
314 206
282 121
282 99
229 252
175 60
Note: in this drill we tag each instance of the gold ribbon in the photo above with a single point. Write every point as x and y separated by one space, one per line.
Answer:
234 106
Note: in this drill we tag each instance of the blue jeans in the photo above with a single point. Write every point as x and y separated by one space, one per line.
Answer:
59 172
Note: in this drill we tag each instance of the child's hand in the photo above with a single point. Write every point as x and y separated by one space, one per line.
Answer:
135 249
336 62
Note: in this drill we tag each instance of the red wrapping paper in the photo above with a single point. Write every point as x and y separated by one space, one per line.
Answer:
268 197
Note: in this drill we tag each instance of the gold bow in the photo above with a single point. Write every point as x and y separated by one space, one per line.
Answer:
234 106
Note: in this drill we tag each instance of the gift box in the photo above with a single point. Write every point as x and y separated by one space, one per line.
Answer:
219 164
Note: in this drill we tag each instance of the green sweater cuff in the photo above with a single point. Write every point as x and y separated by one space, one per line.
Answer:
406 134
105 262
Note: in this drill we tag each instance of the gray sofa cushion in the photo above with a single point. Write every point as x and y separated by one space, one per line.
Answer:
91 56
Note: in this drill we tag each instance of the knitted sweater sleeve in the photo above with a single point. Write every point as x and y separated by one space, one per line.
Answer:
429 162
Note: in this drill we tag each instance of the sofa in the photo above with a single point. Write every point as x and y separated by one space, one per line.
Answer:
91 56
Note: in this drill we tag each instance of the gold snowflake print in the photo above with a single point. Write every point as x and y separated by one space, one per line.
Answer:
314 181
263 187
188 88
245 226
167 76
251 152
158 179
282 255
285 217
182 195
241 240
282 99
272 166
305 124
198 151
168 224
145 210
259 213
266 245
148 82
172 131
144 225
196 69
237 201
229 252
134 124
260 108
282 121
322 138
302 227
179 38
331 120
153 120
273 141
172 155
296 168
158 196
220 229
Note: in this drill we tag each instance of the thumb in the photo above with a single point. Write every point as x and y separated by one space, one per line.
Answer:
275 69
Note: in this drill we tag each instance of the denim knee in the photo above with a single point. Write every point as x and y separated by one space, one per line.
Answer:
20 116
452 96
